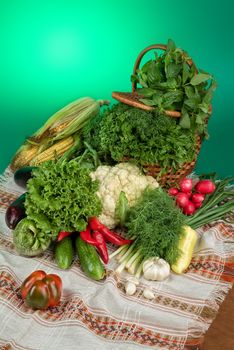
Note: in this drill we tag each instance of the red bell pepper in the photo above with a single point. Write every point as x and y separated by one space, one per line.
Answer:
41 291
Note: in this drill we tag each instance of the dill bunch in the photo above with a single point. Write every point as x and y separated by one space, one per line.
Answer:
155 223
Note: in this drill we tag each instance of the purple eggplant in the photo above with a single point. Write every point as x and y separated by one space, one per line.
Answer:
15 212
22 175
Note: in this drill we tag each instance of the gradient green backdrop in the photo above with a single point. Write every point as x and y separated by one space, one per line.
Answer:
52 52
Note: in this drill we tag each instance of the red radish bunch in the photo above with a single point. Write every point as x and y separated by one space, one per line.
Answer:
189 197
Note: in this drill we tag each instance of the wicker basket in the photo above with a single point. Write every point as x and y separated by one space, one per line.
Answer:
132 98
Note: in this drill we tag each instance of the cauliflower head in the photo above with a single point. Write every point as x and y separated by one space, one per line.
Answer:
124 177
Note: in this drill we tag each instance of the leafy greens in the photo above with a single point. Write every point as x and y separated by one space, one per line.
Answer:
64 194
170 82
144 137
156 225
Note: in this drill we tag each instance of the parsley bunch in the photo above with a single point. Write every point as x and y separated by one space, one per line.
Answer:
144 137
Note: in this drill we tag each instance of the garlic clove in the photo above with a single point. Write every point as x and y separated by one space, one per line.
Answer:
148 293
130 288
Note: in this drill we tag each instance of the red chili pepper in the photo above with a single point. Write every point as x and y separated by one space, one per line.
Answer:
41 290
62 235
86 236
110 236
101 247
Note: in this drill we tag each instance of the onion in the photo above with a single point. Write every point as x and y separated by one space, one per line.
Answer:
189 209
173 191
186 185
205 186
182 199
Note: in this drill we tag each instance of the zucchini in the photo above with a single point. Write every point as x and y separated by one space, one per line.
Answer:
89 260
64 253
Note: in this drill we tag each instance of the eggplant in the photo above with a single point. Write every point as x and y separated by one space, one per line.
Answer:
15 212
22 175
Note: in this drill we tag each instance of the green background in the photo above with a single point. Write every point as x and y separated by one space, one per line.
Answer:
53 52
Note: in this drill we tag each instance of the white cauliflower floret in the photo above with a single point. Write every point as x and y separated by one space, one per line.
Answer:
124 177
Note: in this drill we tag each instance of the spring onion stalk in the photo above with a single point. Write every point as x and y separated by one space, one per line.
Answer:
127 253
134 265
130 259
119 251
133 258
119 256
139 270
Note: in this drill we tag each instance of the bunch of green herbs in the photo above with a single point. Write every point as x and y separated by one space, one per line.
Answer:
171 82
125 132
155 224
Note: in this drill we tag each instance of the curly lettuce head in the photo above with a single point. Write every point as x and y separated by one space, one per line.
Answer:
63 192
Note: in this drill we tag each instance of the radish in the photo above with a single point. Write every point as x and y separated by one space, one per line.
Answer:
186 185
205 186
189 194
173 191
198 205
198 198
182 199
189 209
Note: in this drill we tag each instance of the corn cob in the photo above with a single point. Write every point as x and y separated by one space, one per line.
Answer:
73 122
76 112
24 155
53 152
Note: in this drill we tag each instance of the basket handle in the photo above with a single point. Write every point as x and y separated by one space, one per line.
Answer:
143 52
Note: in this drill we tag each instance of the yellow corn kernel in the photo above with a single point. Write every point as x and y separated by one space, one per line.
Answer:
56 150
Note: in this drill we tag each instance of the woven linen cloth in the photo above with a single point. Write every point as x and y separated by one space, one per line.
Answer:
98 314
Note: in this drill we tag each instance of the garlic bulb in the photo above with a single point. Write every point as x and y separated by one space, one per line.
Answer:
156 269
130 285
148 293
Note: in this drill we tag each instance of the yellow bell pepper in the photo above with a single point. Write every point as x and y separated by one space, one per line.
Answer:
187 243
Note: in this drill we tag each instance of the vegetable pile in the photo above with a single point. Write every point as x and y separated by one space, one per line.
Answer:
84 178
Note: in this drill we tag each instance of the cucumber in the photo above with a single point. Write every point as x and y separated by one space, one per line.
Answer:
64 253
89 260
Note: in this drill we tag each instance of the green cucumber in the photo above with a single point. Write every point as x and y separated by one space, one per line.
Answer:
64 253
89 260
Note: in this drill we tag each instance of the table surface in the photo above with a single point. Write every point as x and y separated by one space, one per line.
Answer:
220 335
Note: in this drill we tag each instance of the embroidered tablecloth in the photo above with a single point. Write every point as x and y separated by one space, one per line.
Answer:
98 315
